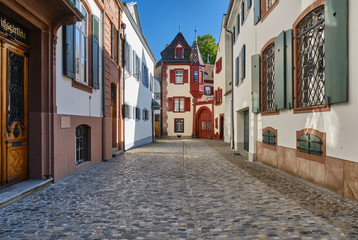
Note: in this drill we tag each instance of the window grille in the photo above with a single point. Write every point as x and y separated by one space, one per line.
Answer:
268 79
310 59
311 144
82 144
269 138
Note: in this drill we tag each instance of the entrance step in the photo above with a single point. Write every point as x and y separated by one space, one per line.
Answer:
22 190
116 153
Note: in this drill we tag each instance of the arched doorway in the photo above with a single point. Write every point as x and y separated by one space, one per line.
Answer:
204 122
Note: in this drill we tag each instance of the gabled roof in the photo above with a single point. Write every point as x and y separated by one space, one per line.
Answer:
133 9
195 55
168 54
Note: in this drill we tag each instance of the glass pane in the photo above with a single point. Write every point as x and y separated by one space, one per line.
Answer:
176 104
77 35
181 104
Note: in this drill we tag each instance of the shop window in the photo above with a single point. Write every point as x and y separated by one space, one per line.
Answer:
310 64
82 144
268 79
179 125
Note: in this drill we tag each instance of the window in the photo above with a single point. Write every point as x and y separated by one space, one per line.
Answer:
270 4
179 52
311 145
179 104
151 83
238 24
145 114
268 79
128 54
269 138
115 45
81 53
178 76
137 113
219 65
267 6
233 35
196 76
179 125
157 96
136 66
310 64
145 75
134 113
207 90
82 144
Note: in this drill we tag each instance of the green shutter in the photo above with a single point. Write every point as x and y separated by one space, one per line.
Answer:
69 51
119 47
237 71
95 52
242 13
255 82
336 47
280 71
289 69
243 62
257 11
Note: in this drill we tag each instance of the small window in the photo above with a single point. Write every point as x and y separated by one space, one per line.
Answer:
138 113
207 90
311 144
179 104
269 138
178 76
82 144
268 79
270 4
145 114
179 125
136 66
179 53
196 76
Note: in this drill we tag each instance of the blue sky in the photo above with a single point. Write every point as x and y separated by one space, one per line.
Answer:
161 19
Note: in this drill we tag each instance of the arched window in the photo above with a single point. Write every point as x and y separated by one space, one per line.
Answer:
81 46
82 144
311 145
269 138
310 63
268 78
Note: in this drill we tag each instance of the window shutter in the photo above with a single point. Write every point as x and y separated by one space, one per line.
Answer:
221 95
95 52
336 47
289 69
69 51
242 13
248 4
257 11
187 104
255 85
243 62
280 71
172 76
237 72
119 47
112 41
238 24
185 77
233 35
211 90
170 104
130 58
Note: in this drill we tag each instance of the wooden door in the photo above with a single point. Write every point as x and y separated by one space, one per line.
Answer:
114 115
14 114
221 127
246 130
156 125
205 123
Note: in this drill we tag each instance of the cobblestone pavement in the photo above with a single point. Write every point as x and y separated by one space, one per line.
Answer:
181 189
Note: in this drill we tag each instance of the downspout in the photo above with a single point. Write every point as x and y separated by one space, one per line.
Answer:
124 92
232 93
103 84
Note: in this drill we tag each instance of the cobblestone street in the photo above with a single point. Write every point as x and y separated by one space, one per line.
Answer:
181 189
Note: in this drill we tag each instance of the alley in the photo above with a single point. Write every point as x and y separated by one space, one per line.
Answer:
181 189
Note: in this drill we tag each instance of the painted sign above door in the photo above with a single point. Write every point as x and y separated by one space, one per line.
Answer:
13 30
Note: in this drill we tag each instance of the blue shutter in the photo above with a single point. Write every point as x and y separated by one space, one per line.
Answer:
233 35
248 4
242 13
257 11
69 51
243 62
255 83
336 47
280 71
95 52
237 72
289 68
238 24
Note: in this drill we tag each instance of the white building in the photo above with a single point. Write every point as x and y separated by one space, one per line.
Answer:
294 98
139 77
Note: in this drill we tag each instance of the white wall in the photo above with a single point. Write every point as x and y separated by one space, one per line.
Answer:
138 132
70 100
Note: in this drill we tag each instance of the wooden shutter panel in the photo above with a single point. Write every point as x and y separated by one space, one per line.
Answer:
112 41
257 11
233 35
336 47
255 84
69 51
289 68
187 104
95 52
172 76
119 47
238 24
211 90
221 95
237 72
170 104
242 13
248 4
243 61
185 73
280 86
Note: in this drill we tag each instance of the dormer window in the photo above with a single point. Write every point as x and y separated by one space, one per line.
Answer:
179 51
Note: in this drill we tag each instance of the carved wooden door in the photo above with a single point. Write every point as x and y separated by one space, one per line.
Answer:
14 114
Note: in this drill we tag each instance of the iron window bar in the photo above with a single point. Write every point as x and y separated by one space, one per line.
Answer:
268 78
307 138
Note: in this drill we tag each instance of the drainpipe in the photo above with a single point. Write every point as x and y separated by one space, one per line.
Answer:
232 93
103 83
124 87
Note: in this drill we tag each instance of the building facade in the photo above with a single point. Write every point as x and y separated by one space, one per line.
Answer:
184 113
294 86
139 81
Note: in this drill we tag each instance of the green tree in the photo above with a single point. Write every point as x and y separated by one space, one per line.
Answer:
207 45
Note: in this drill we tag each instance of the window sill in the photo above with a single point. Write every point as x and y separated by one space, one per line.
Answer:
266 13
322 108
81 86
270 113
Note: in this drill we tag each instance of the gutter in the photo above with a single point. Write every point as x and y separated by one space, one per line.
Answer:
103 83
232 93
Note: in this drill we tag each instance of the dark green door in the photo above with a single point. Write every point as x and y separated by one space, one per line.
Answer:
246 130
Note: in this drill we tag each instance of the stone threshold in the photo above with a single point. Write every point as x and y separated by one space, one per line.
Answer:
22 190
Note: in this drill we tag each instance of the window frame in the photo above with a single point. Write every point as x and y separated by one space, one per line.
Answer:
264 11
179 104
319 108
175 125
85 149
218 65
87 43
312 157
272 112
265 145
175 76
